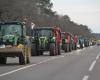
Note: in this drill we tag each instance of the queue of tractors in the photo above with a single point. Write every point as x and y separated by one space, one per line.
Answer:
14 41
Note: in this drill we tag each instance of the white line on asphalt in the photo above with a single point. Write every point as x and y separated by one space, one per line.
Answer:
17 70
7 73
92 65
97 57
85 77
44 61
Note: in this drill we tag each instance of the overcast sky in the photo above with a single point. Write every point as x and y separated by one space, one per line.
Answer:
85 12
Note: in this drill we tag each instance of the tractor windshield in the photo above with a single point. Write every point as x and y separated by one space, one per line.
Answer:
44 33
10 29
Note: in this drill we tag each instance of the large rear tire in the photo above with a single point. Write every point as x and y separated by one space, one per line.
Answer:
23 57
70 47
75 46
22 60
59 49
52 49
29 55
34 51
66 47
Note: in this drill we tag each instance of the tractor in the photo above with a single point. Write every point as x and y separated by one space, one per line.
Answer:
67 41
14 42
80 43
46 39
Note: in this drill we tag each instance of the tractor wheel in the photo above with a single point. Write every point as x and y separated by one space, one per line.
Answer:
59 50
52 49
28 56
81 46
75 46
65 48
34 51
70 47
3 60
22 60
23 56
28 60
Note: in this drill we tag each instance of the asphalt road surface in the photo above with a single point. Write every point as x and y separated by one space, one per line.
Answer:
82 64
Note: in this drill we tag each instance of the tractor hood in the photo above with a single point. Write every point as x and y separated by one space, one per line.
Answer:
9 39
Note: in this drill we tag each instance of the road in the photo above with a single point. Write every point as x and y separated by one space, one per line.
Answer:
82 64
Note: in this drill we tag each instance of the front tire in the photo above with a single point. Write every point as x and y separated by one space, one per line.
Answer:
34 51
52 49
59 49
70 47
22 60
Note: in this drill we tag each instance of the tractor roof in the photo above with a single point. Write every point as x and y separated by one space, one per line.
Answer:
67 33
39 28
11 22
47 28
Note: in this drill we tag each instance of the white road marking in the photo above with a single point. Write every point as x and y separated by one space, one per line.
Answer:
92 65
85 77
7 73
17 70
97 57
44 61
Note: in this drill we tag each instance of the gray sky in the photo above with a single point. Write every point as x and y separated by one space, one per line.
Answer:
85 12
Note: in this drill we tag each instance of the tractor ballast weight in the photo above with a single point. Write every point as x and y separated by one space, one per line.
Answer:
46 39
14 42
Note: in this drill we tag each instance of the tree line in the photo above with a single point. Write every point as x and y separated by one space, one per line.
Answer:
40 12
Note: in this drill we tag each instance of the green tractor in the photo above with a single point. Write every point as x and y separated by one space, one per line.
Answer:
66 41
86 42
80 43
46 39
14 42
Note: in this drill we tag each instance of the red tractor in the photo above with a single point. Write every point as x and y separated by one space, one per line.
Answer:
75 38
67 41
